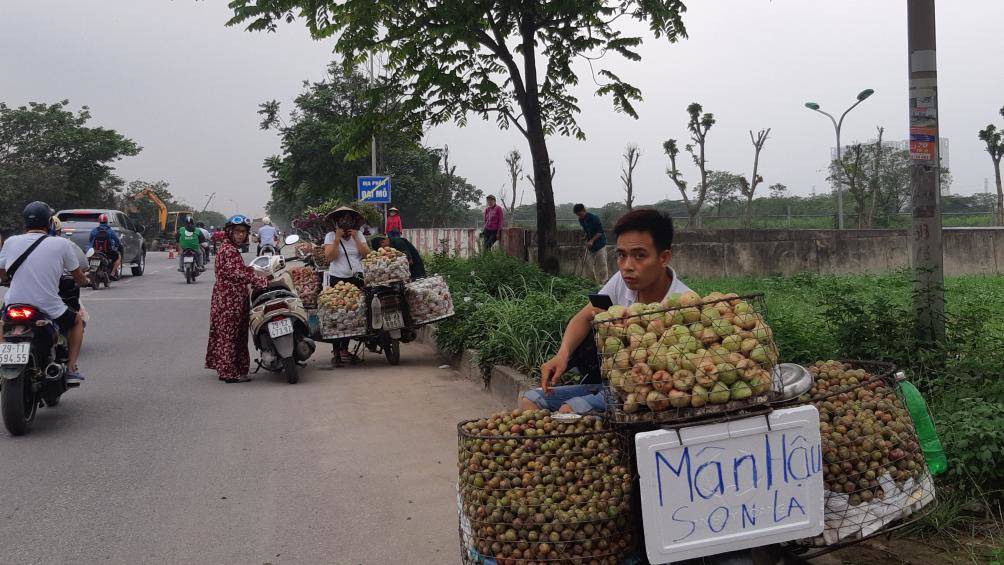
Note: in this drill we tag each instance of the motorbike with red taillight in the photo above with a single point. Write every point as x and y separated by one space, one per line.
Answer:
33 358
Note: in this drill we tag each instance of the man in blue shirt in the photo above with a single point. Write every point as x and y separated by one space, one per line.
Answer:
596 242
105 240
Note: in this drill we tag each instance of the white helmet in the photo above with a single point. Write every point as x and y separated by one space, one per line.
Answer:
267 220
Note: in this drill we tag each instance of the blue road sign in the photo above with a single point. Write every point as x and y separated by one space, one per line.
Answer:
373 190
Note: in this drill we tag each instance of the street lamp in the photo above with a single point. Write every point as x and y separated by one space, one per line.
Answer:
862 96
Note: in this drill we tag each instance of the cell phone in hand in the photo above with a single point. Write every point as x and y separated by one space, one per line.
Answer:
602 301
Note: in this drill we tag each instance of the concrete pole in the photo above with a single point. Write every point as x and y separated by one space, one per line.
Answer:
925 173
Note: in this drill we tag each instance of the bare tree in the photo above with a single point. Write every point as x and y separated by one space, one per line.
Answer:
875 179
995 147
514 163
553 172
698 125
631 156
748 187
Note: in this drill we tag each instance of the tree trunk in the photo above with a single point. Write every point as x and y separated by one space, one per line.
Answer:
748 212
1000 193
547 226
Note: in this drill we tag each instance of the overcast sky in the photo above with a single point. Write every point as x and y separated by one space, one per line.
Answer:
169 75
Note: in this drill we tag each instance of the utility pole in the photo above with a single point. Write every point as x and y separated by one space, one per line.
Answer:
926 244
373 153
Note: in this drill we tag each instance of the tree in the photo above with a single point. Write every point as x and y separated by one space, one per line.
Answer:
319 164
748 187
722 188
995 147
699 124
47 152
778 190
504 59
514 166
631 156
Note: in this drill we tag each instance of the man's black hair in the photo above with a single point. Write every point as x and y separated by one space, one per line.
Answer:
658 224
490 197
578 208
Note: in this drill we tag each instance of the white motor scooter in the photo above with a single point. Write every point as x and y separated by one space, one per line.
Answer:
278 319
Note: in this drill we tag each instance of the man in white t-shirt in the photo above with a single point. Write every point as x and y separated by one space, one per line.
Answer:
267 235
644 242
36 280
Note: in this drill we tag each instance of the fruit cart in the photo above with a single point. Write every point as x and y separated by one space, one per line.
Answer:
729 451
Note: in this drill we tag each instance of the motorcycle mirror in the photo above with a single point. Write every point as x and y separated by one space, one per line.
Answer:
292 239
90 253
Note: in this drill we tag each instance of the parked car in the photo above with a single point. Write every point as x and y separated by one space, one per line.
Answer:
77 226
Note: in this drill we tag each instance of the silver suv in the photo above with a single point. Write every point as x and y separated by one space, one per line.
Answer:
77 226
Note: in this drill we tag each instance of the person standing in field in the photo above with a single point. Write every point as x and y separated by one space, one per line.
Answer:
596 242
494 219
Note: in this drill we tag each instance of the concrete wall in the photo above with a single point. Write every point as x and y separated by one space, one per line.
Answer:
740 253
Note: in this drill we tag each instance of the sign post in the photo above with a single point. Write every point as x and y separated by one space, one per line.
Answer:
728 486
373 190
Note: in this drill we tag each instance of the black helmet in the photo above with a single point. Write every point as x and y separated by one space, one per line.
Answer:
36 216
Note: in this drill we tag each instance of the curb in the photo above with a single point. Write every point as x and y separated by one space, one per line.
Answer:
504 383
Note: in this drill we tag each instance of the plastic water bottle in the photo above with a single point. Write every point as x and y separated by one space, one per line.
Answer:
924 424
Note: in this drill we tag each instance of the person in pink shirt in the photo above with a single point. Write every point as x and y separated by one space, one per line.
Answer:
394 227
494 219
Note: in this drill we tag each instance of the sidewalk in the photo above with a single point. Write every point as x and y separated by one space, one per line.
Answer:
392 446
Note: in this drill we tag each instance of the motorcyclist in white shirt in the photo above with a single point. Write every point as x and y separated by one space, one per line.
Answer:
36 281
267 235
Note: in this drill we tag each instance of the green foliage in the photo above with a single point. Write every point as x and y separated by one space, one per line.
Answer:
972 429
515 314
47 152
321 159
455 57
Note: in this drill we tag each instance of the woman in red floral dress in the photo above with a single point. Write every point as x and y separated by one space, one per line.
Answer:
227 353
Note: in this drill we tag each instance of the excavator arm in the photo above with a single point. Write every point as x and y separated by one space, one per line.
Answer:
161 207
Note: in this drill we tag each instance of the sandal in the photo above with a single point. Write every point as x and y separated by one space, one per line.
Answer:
244 379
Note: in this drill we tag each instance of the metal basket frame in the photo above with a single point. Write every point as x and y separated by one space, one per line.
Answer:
709 411
884 374
626 532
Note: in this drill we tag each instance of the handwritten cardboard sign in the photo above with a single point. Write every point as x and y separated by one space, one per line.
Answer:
734 485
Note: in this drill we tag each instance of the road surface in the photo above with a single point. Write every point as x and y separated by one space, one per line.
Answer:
153 460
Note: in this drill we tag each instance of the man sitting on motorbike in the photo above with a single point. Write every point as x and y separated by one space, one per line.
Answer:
36 281
104 240
267 235
205 242
190 238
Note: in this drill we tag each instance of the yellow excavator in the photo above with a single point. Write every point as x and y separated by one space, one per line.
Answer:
168 221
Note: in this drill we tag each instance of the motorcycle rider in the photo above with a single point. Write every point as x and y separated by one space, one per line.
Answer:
36 280
191 238
267 235
205 244
105 240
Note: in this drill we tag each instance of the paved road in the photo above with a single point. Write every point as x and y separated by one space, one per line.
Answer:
153 460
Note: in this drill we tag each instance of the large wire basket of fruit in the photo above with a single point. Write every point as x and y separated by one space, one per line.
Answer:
686 358
341 311
535 489
874 469
429 300
307 285
384 266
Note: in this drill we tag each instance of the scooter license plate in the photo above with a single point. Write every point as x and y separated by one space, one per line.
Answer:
393 320
189 259
14 353
280 328
95 264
